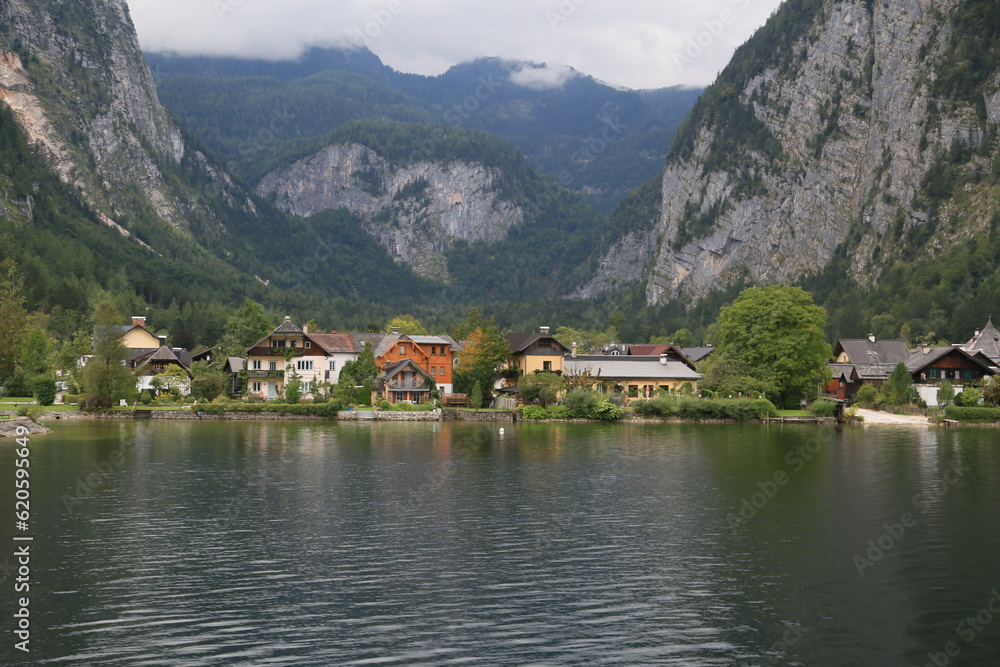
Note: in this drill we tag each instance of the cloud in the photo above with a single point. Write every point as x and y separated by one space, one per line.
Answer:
630 43
542 77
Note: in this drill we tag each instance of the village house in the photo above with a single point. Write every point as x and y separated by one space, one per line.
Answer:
533 353
858 362
433 355
403 381
286 351
635 376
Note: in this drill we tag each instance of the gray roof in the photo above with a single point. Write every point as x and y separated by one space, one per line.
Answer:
430 340
696 354
359 340
236 364
287 327
986 341
864 351
630 367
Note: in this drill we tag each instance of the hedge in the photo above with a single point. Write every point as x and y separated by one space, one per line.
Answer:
972 415
327 410
701 409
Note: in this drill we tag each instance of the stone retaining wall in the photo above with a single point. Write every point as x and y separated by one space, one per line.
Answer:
469 416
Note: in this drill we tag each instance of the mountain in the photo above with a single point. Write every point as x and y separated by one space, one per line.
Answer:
848 143
593 138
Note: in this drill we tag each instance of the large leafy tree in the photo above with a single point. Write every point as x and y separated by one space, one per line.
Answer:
777 335
406 324
244 328
484 354
358 371
106 377
541 388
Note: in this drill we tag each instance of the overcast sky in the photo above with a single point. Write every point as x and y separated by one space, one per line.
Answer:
631 43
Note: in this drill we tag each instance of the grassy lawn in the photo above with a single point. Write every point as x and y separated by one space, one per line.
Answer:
793 413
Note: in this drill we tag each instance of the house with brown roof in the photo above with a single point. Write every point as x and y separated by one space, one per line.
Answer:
289 350
534 353
403 381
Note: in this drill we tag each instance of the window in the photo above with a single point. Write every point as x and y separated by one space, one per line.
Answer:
434 350
968 373
546 365
333 365
257 388
279 343
256 364
272 365
307 387
303 365
402 350
308 344
442 370
292 343
434 370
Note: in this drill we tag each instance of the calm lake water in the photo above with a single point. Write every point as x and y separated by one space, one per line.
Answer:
308 543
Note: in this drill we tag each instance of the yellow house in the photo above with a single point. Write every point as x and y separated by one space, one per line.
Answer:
534 353
137 337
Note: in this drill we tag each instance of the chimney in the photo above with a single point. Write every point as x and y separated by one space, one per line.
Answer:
288 319
663 359
544 330
163 340
871 337
574 347
305 328
394 330
138 321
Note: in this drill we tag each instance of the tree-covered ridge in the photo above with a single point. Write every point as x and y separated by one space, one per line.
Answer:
591 137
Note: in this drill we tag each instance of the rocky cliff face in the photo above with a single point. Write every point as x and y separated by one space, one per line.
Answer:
417 212
74 75
820 138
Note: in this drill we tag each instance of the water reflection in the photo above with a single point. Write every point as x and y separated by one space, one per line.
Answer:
308 543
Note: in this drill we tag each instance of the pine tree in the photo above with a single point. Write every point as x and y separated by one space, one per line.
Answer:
476 400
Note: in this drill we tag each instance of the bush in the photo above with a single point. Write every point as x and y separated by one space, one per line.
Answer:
384 405
146 397
95 404
581 402
823 407
606 411
972 415
700 409
661 407
71 398
968 398
327 410
31 411
533 412
868 395
44 390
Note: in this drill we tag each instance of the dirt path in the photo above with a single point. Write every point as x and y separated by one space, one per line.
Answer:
875 417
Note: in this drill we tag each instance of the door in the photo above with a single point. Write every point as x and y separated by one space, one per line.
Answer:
272 391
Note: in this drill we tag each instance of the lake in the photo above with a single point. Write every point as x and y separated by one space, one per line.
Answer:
317 543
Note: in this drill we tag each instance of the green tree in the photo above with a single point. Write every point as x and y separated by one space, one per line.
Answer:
106 377
990 386
43 388
587 341
357 371
12 319
896 389
206 382
473 321
868 394
476 399
682 338
407 324
293 387
541 388
244 327
69 355
969 397
945 394
485 353
777 332
724 376
172 380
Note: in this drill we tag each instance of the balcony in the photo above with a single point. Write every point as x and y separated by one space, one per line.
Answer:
266 375
407 385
